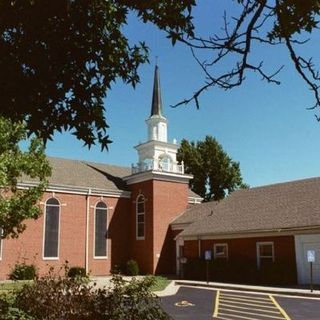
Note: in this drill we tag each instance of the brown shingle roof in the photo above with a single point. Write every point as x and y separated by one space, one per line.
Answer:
280 206
75 173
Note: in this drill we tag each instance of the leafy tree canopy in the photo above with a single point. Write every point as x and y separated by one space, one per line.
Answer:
215 174
229 54
17 205
58 58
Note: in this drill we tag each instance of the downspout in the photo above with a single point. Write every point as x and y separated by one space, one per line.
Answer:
87 231
199 247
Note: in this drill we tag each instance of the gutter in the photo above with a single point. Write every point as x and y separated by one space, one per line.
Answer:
87 231
235 234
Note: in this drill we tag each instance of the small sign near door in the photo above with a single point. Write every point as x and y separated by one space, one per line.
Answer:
311 256
208 255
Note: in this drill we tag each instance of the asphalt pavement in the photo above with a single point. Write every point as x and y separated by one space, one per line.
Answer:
191 303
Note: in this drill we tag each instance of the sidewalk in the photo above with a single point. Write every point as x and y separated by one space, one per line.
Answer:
242 287
174 285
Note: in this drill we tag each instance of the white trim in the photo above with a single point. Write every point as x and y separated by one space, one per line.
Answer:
255 233
264 243
304 242
1 244
215 255
94 231
179 243
157 175
87 231
179 226
140 214
44 229
195 200
155 143
78 190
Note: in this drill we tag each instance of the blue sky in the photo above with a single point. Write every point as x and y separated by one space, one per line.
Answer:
263 126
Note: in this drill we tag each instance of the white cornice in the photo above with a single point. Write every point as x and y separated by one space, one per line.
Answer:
157 175
179 226
255 234
153 143
79 190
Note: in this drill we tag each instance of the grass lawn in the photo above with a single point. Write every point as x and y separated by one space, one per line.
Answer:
160 283
14 285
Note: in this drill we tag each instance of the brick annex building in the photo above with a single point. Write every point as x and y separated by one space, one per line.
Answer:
98 216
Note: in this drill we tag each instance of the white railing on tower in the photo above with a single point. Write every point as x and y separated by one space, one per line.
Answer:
158 165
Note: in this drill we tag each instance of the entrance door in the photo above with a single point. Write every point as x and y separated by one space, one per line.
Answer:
303 243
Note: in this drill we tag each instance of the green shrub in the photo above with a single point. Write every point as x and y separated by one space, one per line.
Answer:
132 268
75 272
55 297
23 271
78 274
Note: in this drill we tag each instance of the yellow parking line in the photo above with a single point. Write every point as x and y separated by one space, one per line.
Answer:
251 313
243 299
244 296
254 309
270 306
225 314
279 307
216 305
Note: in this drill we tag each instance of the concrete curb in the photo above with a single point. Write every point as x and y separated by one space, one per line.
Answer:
170 290
260 289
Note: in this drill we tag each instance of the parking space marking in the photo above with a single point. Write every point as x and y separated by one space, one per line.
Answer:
230 306
216 305
279 307
255 309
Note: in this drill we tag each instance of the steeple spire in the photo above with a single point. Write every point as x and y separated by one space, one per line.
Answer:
156 106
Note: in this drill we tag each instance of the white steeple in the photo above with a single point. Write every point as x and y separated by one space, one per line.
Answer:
157 123
157 154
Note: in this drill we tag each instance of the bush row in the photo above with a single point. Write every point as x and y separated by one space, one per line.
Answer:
54 297
23 271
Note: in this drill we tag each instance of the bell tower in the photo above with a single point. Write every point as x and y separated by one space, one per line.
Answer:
157 153
159 193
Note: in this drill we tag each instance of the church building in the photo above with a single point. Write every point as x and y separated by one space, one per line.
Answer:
99 216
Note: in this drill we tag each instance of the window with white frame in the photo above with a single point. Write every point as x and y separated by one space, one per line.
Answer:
140 217
221 251
265 254
100 240
51 229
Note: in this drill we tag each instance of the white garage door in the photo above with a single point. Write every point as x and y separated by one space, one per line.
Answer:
303 243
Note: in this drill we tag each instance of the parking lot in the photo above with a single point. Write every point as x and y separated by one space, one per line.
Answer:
201 304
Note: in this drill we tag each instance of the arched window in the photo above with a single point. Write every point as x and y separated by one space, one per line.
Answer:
165 163
51 229
100 234
140 217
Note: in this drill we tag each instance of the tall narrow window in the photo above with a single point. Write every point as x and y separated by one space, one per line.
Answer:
140 222
51 229
100 242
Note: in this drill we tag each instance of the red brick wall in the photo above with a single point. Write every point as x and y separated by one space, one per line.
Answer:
165 201
28 247
141 250
242 254
170 200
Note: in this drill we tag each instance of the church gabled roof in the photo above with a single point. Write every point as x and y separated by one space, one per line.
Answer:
83 174
156 106
278 207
